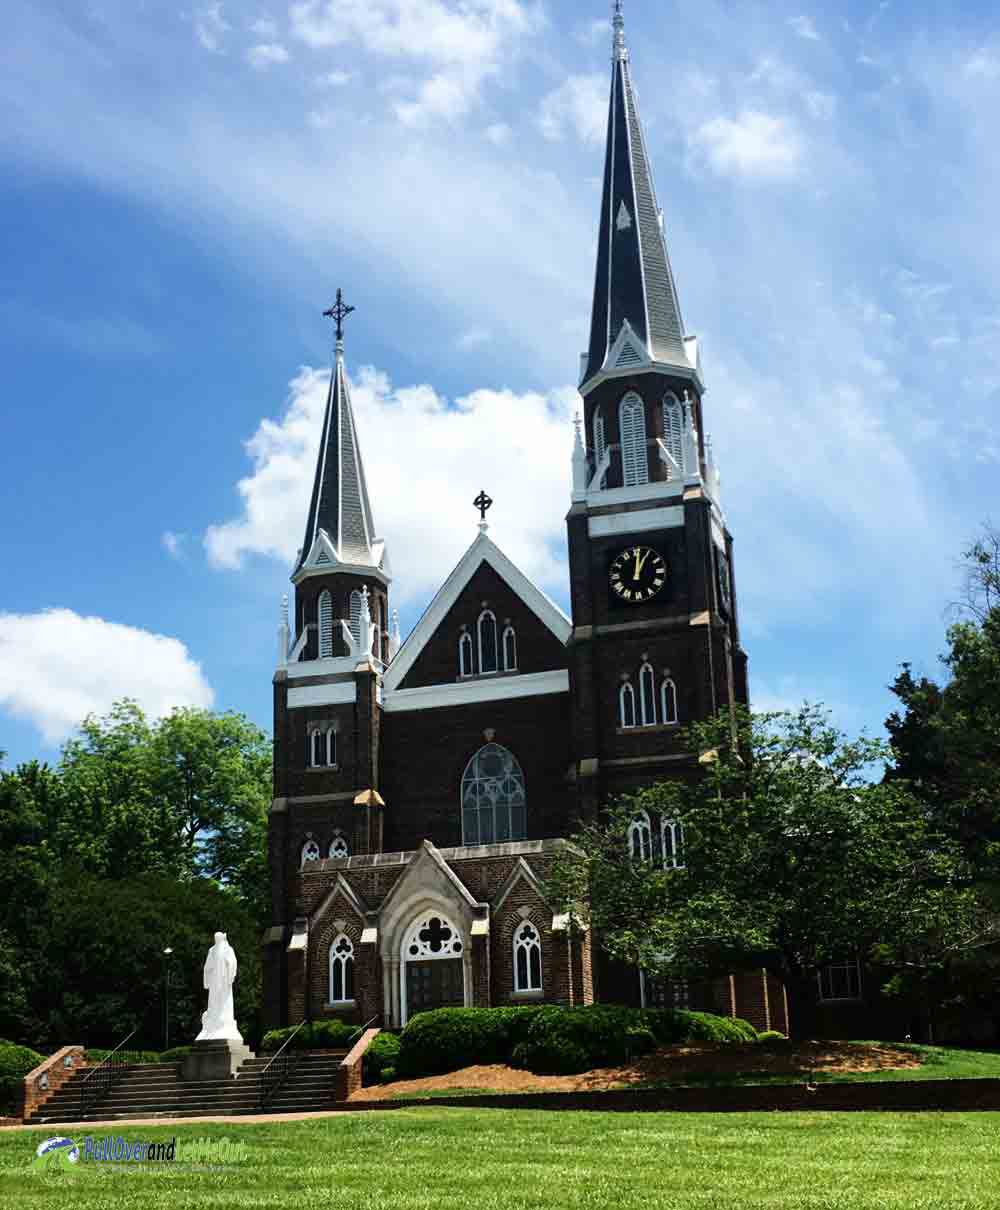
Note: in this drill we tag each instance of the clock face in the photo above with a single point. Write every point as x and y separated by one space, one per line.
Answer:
638 574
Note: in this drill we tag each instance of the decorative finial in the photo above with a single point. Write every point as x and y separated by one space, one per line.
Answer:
483 503
339 312
621 50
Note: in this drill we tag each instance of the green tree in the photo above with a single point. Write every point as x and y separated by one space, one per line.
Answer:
946 738
793 856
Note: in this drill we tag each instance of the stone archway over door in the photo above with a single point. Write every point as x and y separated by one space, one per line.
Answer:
434 962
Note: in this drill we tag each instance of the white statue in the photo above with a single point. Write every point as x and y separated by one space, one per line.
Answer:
219 1021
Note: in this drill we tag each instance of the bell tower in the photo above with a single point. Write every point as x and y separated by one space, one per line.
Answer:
655 640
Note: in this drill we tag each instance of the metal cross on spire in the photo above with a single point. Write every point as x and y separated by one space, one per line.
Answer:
339 312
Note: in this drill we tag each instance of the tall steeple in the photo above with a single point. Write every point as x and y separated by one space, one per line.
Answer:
340 528
634 282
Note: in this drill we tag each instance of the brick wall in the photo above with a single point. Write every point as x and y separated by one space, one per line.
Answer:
42 1081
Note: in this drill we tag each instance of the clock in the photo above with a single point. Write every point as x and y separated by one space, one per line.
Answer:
638 574
725 582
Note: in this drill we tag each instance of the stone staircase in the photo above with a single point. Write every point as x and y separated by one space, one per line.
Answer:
149 1090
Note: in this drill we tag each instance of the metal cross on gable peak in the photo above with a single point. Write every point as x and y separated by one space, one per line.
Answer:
484 504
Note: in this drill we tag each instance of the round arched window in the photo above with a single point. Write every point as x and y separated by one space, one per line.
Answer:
433 937
494 804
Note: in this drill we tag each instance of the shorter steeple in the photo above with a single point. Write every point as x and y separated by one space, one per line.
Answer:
340 528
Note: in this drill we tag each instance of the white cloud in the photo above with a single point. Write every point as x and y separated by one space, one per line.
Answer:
210 26
173 543
265 28
593 32
425 459
56 667
579 103
754 145
984 63
334 79
463 43
266 54
805 28
498 133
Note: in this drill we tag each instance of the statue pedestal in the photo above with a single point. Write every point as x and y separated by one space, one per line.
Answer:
218 1060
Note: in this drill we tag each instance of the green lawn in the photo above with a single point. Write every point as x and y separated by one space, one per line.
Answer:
456 1159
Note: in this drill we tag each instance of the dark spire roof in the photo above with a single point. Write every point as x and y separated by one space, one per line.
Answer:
340 504
634 279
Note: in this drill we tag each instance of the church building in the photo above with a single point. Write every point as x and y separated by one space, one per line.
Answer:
423 789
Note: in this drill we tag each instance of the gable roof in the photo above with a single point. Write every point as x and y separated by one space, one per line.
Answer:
482 550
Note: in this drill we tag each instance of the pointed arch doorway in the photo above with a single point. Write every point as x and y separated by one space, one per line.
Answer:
434 963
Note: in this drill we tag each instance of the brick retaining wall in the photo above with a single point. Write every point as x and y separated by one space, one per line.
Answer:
50 1075
907 1095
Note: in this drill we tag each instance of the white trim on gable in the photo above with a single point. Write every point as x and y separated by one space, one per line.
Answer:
482 550
521 871
341 886
477 689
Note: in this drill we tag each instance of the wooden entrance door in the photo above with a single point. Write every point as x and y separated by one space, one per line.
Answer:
438 984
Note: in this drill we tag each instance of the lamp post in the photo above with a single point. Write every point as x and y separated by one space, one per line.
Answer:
166 997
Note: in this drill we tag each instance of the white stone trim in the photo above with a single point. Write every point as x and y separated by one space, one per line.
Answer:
340 693
481 550
463 693
610 525
341 665
661 489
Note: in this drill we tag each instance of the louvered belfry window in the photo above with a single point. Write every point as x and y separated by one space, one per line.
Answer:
673 430
325 625
632 425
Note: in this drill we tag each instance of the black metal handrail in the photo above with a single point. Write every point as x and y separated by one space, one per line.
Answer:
361 1028
99 1082
276 1072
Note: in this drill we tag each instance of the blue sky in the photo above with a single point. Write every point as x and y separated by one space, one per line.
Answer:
186 187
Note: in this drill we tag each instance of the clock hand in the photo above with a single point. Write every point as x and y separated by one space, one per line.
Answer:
639 564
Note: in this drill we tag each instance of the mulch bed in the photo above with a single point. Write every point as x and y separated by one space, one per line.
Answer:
670 1063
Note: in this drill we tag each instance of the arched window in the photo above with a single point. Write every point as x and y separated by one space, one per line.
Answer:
527 959
494 803
355 609
600 441
488 661
640 838
668 701
632 426
626 705
310 852
325 614
338 848
672 833
647 696
673 429
433 937
509 650
342 970
317 749
465 654
331 747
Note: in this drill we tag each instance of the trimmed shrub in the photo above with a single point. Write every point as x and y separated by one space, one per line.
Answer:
772 1037
380 1059
15 1063
674 1026
316 1035
175 1054
447 1039
561 1041
97 1054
